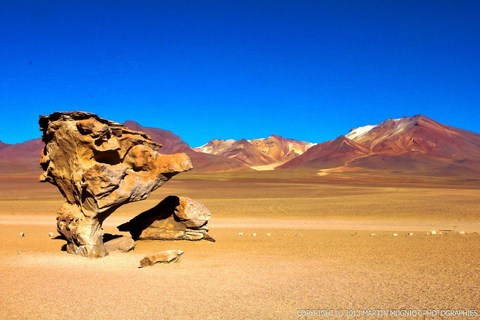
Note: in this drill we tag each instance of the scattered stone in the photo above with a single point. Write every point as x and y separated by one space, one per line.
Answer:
373 234
122 244
22 234
99 165
174 218
254 234
410 234
51 234
433 232
284 235
240 234
461 232
268 234
298 235
395 235
169 256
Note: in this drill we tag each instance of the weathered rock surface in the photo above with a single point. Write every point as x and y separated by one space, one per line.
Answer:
99 165
121 244
168 256
174 218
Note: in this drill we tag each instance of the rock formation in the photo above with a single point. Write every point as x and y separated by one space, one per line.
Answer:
99 165
169 256
174 218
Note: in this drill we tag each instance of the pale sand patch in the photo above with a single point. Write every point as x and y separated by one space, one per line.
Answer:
343 169
267 167
286 223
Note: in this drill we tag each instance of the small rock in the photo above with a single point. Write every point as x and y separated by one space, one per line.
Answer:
268 234
433 232
410 234
240 234
254 234
284 235
51 234
395 235
122 244
22 234
461 232
373 234
168 256
298 235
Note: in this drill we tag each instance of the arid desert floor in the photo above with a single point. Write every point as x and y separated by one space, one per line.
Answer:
320 253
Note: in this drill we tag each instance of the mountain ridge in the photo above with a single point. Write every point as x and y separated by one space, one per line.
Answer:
416 145
410 144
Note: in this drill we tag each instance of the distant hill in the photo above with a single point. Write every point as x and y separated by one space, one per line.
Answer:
410 144
21 158
3 145
257 153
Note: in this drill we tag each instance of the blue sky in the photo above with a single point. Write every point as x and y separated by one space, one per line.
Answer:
308 70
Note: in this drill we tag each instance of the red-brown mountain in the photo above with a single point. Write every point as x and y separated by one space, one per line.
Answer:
330 154
408 144
3 145
255 153
21 158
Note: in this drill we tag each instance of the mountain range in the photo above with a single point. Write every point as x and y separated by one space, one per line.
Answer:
259 154
417 145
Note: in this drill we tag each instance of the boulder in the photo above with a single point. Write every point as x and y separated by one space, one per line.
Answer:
99 165
192 213
168 256
174 218
120 243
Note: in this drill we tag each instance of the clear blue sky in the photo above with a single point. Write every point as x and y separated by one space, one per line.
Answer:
308 70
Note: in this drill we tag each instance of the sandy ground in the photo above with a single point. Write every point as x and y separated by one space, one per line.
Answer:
320 254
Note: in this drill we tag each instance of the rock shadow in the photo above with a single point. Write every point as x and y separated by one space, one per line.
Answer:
164 210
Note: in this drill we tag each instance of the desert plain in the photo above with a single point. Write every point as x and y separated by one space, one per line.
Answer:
321 243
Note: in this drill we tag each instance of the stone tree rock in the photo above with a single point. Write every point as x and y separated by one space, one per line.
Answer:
174 218
99 165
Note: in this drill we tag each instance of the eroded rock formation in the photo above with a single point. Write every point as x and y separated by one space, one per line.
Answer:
174 218
99 165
